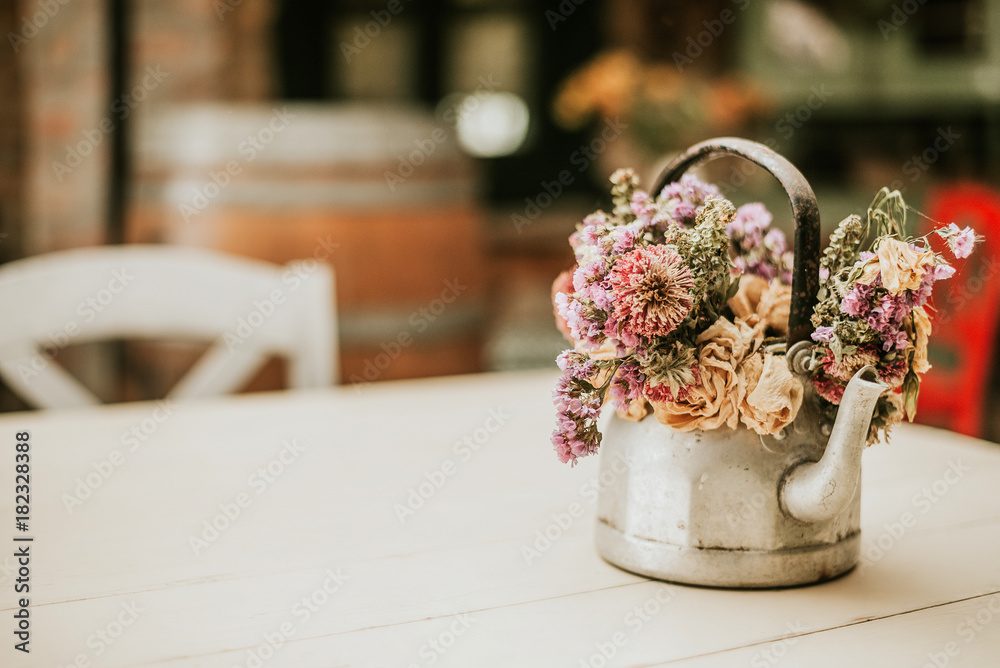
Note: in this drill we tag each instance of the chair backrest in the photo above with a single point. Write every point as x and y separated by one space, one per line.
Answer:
954 391
251 309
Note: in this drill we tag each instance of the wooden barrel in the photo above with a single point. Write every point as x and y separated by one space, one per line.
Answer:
382 194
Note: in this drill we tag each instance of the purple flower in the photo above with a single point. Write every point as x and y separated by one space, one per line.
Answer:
593 228
627 385
626 339
775 241
682 198
577 365
598 292
642 205
684 211
855 302
691 189
895 308
624 238
578 406
755 218
920 296
756 248
896 339
823 334
582 327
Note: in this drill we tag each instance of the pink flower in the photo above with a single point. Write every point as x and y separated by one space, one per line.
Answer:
627 385
823 334
661 394
855 302
964 242
651 291
961 242
892 373
897 340
830 389
943 271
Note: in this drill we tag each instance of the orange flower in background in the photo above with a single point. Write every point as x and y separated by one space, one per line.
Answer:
662 84
731 102
605 87
661 104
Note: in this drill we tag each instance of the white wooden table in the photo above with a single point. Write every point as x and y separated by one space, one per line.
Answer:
493 567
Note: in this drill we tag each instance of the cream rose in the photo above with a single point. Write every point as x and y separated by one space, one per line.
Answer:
714 401
770 301
634 411
901 267
773 397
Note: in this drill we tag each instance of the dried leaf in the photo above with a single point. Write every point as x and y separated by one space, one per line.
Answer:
911 391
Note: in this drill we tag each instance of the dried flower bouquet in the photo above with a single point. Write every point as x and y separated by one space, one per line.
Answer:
679 301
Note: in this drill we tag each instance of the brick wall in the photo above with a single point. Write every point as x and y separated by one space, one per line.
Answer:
11 141
62 63
181 50
215 50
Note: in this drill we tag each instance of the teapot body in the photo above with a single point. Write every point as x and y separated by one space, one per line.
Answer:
704 507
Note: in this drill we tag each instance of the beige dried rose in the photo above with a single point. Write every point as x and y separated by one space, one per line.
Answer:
714 401
775 306
773 397
601 378
607 351
769 301
635 410
901 267
923 331
869 271
748 296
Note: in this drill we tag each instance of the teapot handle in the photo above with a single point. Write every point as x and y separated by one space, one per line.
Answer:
805 211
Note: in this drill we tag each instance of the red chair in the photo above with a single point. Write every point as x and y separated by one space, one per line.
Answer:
955 391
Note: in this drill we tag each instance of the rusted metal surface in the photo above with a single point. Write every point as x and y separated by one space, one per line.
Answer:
805 211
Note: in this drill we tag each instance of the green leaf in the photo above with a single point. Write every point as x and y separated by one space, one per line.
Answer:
836 348
734 287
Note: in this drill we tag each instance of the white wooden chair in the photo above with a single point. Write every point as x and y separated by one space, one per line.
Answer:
251 309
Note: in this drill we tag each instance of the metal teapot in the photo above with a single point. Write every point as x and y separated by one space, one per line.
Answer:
729 508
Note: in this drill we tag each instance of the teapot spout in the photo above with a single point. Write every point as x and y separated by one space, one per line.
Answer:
818 491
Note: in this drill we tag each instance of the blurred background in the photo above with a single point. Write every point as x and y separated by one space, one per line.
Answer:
438 154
